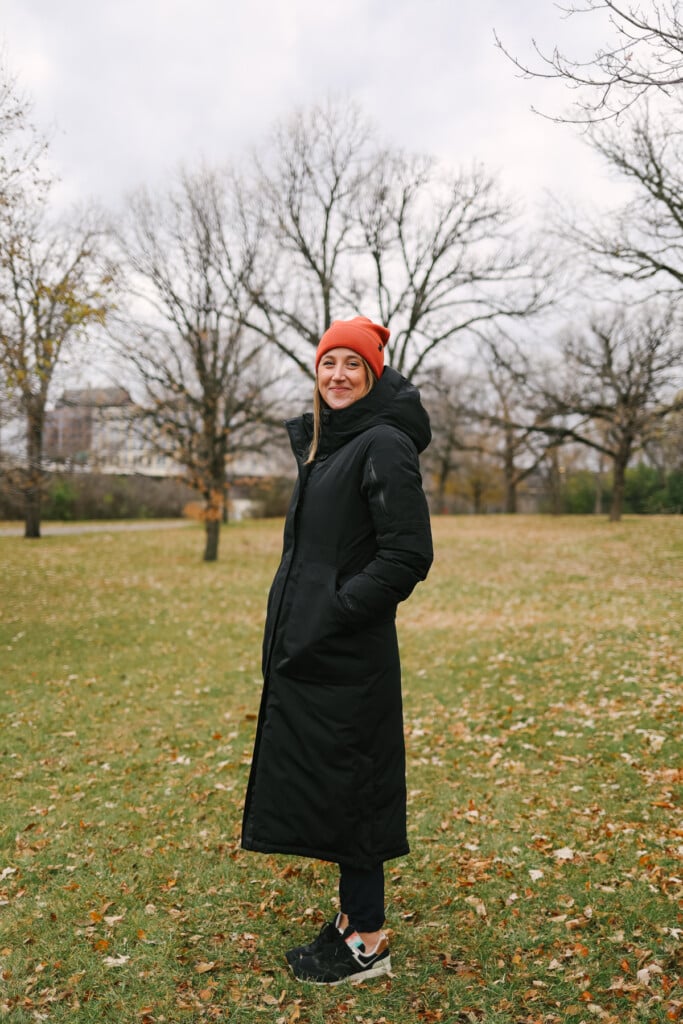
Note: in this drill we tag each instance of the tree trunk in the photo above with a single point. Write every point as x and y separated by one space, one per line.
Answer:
555 483
213 532
441 482
620 463
510 501
598 487
510 504
213 510
477 495
32 503
34 478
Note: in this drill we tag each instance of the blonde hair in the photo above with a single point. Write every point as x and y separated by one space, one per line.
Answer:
370 381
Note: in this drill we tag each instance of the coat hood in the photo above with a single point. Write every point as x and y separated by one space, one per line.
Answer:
393 401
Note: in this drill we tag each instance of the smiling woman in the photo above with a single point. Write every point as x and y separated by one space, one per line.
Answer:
328 772
348 363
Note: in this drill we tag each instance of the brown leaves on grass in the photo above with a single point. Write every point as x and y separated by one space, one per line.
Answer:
539 720
464 969
586 843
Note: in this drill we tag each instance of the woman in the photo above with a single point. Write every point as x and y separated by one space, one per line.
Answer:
328 772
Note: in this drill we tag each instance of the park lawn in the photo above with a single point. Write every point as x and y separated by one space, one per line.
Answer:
542 680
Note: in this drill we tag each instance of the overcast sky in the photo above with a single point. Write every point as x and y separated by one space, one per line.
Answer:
129 89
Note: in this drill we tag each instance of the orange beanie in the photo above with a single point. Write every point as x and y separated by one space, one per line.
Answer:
361 336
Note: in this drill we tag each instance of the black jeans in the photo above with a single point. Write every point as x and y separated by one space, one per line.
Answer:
361 897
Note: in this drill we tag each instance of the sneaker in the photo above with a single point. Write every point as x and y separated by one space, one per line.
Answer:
343 959
326 936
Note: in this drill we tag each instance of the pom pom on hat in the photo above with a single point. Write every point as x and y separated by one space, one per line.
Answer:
360 335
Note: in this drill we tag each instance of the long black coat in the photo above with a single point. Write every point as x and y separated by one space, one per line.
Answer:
328 773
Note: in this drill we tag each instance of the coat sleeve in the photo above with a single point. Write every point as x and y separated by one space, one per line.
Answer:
392 486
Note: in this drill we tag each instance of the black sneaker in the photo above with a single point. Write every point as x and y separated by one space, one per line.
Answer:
326 936
343 959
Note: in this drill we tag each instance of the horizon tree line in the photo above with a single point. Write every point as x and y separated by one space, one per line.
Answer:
214 293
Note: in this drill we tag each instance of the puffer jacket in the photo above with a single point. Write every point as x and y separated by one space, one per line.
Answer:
328 773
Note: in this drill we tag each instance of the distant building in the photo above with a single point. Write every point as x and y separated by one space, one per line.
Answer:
97 429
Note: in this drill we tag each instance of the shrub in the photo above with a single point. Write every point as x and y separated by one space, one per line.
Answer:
100 496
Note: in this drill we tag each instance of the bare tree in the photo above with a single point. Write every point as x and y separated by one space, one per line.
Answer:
620 381
643 56
642 242
629 97
8 412
664 445
478 478
429 253
52 288
449 397
205 381
22 187
507 404
22 148
13 132
459 471
444 257
307 192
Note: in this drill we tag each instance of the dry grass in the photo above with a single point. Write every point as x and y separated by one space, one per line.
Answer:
542 670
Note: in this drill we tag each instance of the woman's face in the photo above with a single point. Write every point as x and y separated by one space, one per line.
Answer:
342 378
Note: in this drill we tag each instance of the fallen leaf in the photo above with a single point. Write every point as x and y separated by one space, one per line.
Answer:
478 905
643 975
204 966
115 961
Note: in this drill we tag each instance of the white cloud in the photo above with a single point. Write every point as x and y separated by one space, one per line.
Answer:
136 87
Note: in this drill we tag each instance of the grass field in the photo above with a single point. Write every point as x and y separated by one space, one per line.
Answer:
542 680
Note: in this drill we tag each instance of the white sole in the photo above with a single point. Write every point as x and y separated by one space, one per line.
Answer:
384 967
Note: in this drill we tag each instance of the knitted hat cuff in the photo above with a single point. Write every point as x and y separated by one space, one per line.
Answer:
360 335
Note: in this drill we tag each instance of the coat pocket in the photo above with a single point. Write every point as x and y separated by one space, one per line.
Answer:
314 614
